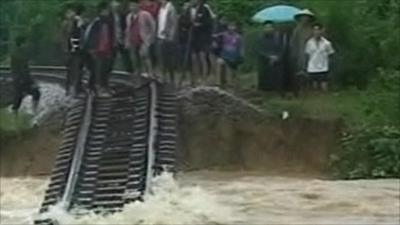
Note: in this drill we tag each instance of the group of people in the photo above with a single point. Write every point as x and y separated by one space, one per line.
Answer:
152 39
134 30
291 58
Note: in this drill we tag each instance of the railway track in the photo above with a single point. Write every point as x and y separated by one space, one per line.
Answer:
112 147
58 74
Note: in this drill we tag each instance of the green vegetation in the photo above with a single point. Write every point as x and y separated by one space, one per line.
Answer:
370 143
11 126
369 152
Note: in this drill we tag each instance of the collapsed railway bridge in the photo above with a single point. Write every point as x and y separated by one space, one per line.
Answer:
112 147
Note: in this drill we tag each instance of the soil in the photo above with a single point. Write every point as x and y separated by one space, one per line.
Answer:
298 146
31 154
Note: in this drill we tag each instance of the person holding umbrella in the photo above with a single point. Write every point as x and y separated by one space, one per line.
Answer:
276 74
301 34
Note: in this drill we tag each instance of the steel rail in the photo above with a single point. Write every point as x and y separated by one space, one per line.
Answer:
78 154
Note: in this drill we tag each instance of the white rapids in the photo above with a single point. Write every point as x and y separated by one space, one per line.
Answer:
226 198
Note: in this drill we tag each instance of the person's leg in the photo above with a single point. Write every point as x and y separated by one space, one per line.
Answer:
90 63
195 68
126 59
171 50
230 76
35 93
161 59
18 96
135 56
80 67
325 82
203 64
214 66
145 58
75 73
315 85
106 71
68 81
220 71
98 72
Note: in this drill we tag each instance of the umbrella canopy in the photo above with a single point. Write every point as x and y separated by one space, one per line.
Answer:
278 13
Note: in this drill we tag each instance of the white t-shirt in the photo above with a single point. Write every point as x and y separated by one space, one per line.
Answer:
318 55
162 20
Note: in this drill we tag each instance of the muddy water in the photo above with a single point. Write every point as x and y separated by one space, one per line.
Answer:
228 198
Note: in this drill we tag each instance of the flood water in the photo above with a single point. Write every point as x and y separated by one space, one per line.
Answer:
227 198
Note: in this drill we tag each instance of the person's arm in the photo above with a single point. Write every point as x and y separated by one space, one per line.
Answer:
147 28
173 21
128 22
65 31
242 47
262 49
331 53
307 53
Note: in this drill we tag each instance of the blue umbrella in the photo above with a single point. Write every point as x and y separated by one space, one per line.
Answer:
279 13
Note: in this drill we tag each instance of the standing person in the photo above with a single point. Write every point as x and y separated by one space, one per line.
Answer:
98 45
152 7
202 22
301 33
220 26
72 32
287 80
270 58
318 50
119 14
184 38
22 79
140 35
166 39
231 55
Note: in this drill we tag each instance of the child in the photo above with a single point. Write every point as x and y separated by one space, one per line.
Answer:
23 82
231 54
318 51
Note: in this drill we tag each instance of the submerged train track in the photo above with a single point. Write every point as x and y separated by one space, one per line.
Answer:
112 147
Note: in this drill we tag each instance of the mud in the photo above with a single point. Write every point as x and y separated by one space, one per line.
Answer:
31 154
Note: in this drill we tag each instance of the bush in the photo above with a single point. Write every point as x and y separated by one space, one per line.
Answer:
369 152
382 99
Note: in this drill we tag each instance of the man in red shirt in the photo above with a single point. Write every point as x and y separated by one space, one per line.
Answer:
140 36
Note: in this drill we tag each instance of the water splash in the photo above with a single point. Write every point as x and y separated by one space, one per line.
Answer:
210 197
170 204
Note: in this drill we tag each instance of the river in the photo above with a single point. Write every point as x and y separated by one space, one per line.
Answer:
209 197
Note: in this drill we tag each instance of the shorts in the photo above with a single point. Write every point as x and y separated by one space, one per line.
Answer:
319 77
201 43
231 60
167 54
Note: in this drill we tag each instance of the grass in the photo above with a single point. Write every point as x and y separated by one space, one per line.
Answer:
12 126
347 105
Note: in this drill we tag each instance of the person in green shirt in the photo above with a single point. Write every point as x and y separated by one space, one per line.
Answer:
23 82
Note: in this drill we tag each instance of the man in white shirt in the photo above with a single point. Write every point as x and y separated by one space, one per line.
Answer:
166 39
318 51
